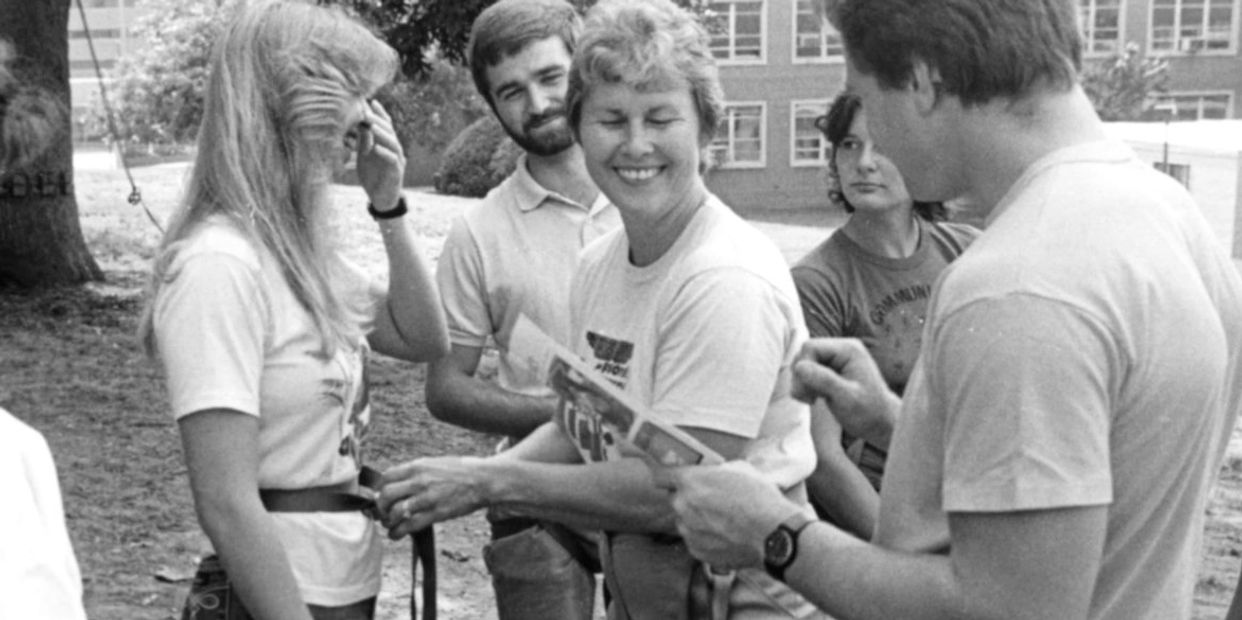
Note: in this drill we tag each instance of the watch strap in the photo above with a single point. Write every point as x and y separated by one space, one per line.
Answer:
790 527
390 214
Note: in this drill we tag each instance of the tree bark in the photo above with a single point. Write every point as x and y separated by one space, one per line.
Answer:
41 241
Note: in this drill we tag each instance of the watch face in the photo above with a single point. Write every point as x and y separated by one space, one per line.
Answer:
777 547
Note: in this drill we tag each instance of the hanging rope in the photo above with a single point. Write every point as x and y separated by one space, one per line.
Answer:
135 196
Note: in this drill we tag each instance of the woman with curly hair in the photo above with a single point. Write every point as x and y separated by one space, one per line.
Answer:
869 280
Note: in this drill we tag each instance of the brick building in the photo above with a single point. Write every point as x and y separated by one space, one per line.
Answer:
780 67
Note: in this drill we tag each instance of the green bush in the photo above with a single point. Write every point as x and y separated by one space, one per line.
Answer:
433 108
478 159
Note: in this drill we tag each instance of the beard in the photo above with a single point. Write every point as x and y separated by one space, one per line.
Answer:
542 135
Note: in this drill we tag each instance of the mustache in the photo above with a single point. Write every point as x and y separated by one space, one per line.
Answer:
536 121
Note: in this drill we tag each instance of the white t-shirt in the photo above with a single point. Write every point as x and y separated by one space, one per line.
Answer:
514 253
231 335
37 568
705 336
1085 351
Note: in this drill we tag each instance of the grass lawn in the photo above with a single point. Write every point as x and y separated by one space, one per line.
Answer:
70 367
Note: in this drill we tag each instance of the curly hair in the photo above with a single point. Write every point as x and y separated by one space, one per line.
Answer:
647 44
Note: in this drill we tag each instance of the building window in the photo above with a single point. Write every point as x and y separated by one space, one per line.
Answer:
739 143
737 30
1101 26
1181 172
1195 106
1188 26
810 147
814 39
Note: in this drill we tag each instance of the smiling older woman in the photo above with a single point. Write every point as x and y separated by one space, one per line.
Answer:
687 308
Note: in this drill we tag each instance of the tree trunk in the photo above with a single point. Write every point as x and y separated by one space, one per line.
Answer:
41 241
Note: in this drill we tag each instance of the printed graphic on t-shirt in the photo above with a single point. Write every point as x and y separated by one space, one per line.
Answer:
354 426
897 322
880 313
612 357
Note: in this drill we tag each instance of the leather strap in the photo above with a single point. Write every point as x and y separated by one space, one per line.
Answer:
342 498
721 587
335 498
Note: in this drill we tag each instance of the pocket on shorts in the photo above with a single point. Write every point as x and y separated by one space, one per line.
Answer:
527 555
534 578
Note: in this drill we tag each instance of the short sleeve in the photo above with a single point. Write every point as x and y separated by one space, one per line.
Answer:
822 304
460 278
721 351
1027 387
362 294
209 322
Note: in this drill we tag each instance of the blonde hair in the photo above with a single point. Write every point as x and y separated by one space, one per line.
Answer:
647 44
283 75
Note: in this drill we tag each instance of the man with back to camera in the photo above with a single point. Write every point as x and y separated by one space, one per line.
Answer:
1055 447
514 254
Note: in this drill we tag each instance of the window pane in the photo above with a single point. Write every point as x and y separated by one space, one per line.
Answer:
1216 107
815 38
1162 18
1101 23
739 29
743 136
809 144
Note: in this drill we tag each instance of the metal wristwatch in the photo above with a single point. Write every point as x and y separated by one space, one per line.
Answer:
780 548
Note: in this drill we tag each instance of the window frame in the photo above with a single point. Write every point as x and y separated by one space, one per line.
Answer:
1180 49
821 59
726 133
794 161
733 59
1089 41
1200 95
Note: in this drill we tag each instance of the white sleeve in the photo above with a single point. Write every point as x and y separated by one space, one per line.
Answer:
39 571
362 294
210 330
1028 386
462 283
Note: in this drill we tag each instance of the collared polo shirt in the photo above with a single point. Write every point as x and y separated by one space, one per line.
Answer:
511 254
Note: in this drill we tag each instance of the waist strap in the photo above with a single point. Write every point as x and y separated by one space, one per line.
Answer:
344 498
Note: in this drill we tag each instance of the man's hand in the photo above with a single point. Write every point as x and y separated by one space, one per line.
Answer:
381 160
426 491
841 371
725 512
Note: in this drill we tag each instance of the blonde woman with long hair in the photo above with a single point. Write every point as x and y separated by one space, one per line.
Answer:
263 329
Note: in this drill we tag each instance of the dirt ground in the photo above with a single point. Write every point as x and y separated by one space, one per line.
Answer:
70 367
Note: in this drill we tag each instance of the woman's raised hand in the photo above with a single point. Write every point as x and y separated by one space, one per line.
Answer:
381 160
